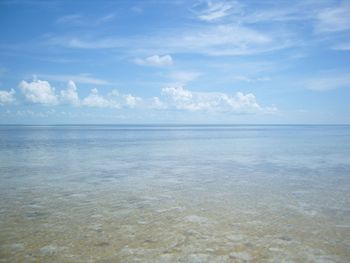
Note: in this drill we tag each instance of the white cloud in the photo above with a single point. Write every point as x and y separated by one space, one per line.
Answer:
250 79
7 97
263 79
334 19
39 91
183 77
80 20
157 104
41 114
3 70
94 99
342 46
240 28
131 101
173 97
179 95
70 95
112 100
156 60
240 103
218 40
106 18
215 10
225 40
283 14
73 19
79 78
137 9
329 81
81 43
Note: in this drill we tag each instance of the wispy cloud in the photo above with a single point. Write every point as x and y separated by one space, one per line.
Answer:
334 19
247 31
137 9
183 77
250 79
75 19
155 60
83 20
342 46
215 10
80 78
328 81
106 18
3 71
271 13
213 40
223 40
86 43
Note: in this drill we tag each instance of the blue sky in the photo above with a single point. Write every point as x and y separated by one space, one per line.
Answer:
174 61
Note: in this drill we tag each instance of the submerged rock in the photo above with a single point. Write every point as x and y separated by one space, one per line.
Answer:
241 256
103 244
196 219
49 250
236 238
96 227
17 247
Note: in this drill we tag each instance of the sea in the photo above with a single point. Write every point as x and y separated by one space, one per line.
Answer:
175 193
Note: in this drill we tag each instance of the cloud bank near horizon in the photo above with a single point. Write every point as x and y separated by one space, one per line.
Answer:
173 97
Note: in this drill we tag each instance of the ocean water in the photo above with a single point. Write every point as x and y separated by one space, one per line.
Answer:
175 193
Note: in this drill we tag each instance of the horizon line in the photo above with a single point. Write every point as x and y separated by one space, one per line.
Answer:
176 124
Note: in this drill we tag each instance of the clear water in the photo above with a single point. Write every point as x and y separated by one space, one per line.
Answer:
174 193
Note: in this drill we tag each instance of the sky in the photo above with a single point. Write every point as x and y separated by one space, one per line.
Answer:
174 61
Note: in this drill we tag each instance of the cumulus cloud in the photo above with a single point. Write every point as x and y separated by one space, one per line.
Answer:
156 60
70 95
39 91
7 97
131 101
94 99
172 97
112 100
157 104
184 99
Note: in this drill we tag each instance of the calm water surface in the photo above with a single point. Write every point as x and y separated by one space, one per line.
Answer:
174 193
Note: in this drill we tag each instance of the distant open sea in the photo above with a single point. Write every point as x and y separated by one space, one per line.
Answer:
175 193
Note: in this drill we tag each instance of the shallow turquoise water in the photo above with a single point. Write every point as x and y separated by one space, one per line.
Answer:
175 193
